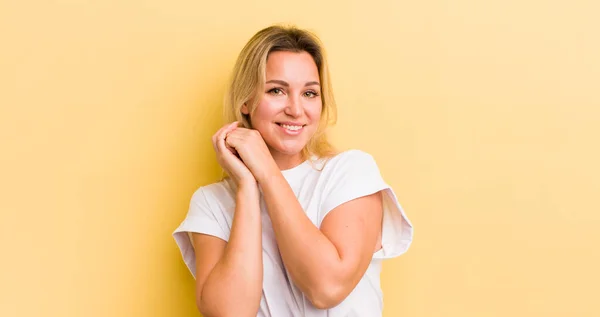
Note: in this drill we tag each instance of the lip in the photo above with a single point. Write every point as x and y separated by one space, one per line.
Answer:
291 123
290 132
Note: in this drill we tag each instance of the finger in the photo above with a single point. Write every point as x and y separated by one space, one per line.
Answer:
228 132
224 149
232 126
235 139
228 128
230 148
222 133
241 136
216 136
221 139
228 142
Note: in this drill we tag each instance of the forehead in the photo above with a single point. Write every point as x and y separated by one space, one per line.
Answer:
291 67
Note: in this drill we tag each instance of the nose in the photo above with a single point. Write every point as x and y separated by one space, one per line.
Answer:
294 107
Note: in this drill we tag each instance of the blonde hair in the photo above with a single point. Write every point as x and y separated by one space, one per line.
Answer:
249 75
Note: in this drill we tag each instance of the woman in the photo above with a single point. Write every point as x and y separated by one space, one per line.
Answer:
296 229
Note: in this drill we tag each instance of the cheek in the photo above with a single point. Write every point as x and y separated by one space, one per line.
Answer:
263 113
314 112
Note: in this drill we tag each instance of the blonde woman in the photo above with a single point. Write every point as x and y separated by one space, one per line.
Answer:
297 229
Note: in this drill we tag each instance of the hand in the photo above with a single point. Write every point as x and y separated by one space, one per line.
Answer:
228 159
252 149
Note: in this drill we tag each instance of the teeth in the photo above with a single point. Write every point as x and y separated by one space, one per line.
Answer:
292 127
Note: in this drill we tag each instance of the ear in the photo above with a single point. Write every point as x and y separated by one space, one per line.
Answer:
245 109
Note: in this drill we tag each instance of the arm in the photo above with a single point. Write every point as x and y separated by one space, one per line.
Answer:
229 274
325 264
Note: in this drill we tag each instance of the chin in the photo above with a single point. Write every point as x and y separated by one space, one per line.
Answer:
289 149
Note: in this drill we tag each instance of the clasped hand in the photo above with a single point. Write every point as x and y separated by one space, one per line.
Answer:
243 154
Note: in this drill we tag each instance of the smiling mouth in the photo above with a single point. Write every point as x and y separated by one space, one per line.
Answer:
291 127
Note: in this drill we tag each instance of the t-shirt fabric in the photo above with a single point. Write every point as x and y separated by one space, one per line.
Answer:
319 188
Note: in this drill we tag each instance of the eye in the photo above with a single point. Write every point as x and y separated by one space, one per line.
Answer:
275 91
311 94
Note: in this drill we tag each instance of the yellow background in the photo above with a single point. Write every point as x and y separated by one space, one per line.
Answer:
483 115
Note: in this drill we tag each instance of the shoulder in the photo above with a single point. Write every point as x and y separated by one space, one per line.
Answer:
350 159
349 175
352 153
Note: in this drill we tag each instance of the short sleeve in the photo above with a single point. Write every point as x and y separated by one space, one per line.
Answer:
199 219
354 174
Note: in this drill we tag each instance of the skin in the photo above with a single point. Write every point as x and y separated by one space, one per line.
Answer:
229 274
340 251
292 94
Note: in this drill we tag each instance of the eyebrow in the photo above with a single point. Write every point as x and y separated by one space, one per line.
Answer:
283 83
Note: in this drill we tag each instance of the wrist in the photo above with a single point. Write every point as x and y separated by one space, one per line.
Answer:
248 188
267 175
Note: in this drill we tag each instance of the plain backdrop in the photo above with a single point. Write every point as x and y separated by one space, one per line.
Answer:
483 116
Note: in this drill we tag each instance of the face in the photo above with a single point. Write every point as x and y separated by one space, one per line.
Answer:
290 107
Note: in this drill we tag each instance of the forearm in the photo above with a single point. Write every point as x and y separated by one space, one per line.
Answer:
234 286
313 261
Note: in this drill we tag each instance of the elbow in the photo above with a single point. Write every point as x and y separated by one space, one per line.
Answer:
327 295
200 308
228 310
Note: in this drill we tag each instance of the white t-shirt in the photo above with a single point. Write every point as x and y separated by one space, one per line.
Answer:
348 175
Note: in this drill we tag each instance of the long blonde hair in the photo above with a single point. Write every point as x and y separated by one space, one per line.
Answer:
249 73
